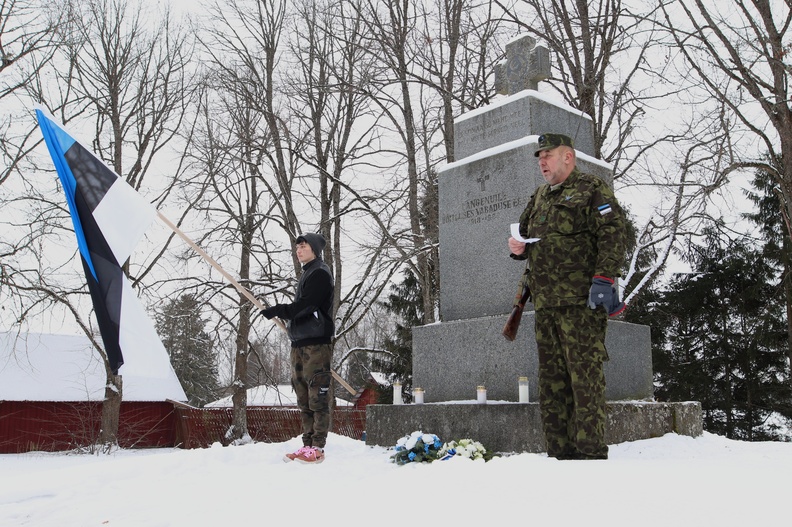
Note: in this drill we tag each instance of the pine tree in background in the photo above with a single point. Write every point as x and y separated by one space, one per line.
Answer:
405 301
182 330
725 339
776 235
410 304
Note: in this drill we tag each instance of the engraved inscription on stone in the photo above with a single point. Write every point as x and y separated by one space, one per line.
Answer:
478 203
492 128
478 209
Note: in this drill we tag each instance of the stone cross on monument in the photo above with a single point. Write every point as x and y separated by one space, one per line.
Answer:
526 64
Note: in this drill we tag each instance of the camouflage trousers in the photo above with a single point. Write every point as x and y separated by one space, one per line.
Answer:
571 346
311 379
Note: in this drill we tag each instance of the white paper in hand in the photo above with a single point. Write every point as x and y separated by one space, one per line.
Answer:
515 232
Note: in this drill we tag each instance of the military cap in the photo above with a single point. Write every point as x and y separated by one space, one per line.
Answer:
550 141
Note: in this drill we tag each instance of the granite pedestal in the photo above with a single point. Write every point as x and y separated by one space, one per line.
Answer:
517 427
455 357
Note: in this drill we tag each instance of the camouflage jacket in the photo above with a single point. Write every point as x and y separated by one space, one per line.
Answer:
582 233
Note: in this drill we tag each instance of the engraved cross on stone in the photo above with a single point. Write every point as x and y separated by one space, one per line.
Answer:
526 64
482 180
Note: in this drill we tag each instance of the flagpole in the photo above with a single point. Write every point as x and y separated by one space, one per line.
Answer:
239 287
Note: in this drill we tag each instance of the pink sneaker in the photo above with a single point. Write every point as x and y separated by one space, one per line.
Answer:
305 454
292 456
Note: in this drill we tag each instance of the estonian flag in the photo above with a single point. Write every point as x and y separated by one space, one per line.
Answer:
109 219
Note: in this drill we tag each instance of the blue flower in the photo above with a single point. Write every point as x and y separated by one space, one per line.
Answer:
411 455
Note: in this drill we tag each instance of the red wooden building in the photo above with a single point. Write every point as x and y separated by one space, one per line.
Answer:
370 392
52 386
51 392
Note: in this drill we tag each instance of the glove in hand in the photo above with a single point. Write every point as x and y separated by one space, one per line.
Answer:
603 293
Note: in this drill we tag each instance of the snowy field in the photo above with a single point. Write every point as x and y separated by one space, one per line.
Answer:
669 481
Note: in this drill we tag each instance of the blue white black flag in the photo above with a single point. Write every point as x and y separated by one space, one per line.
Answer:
109 219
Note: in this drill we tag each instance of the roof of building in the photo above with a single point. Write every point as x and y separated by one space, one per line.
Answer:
48 367
268 395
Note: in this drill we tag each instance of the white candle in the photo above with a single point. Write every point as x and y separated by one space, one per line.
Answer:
397 393
481 394
523 386
418 395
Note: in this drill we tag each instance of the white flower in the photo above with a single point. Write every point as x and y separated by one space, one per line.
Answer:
466 448
409 441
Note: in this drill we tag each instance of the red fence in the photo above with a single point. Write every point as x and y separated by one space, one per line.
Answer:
27 426
200 427
59 426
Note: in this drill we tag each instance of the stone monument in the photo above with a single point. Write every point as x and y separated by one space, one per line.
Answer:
480 195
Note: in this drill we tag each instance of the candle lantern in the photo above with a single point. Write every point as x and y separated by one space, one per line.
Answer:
523 389
397 393
481 394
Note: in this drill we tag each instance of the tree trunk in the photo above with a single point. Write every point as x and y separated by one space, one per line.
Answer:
111 411
239 427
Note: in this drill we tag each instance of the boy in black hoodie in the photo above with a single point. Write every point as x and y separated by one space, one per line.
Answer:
311 330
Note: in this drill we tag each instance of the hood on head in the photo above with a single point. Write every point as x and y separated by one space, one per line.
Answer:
316 241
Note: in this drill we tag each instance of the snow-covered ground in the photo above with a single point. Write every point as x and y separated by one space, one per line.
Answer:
669 481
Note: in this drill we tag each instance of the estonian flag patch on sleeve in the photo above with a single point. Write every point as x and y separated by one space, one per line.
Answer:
605 209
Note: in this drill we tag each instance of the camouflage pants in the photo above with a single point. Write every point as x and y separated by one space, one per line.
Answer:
571 346
311 379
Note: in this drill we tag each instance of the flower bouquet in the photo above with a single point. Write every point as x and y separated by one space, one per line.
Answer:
417 448
465 448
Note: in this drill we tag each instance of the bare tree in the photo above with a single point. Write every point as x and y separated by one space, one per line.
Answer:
330 100
26 45
130 79
249 156
611 60
135 78
455 55
312 137
739 52
600 62
391 28
436 59
332 116
459 47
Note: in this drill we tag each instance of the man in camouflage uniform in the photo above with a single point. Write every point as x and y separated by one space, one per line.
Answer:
582 237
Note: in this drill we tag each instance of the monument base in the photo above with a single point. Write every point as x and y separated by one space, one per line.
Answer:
506 427
451 358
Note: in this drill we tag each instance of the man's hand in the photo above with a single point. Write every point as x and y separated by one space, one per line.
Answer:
603 293
269 313
516 248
